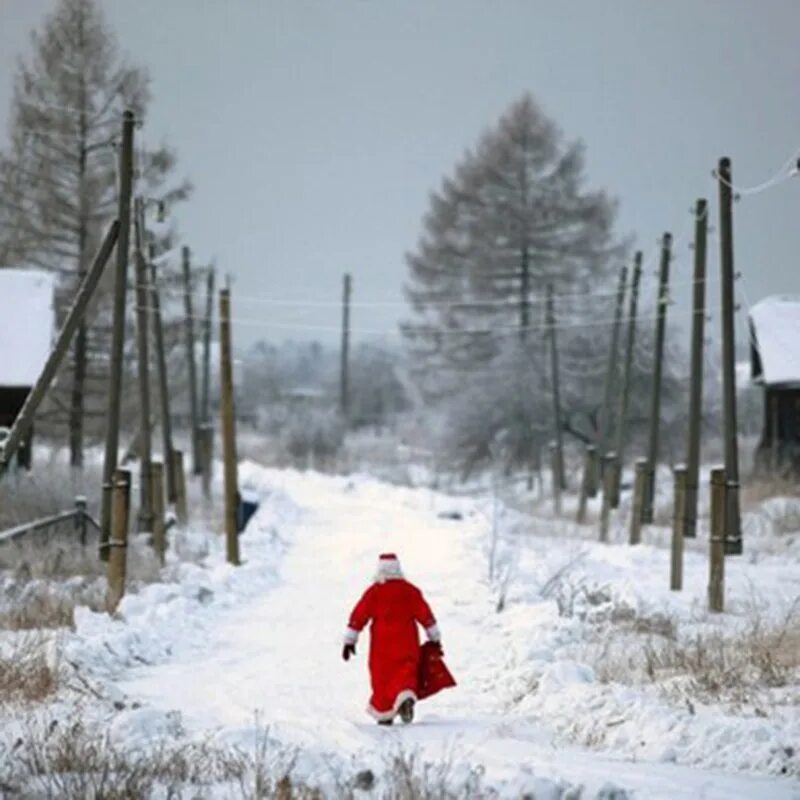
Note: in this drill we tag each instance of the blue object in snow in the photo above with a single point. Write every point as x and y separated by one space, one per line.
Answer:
245 508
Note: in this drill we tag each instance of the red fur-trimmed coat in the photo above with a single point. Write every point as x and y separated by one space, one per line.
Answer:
395 608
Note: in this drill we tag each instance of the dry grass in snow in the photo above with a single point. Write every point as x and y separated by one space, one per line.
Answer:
28 670
69 762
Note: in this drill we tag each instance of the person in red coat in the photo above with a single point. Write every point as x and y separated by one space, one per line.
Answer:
394 607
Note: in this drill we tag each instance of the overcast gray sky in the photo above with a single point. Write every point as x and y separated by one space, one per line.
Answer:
314 129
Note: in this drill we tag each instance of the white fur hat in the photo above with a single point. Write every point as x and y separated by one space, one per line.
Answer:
388 568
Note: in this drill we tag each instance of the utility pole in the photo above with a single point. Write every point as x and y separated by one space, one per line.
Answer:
716 555
163 381
143 347
206 431
696 388
558 473
679 515
205 390
228 428
733 528
118 544
624 395
118 330
344 378
603 428
159 512
77 411
197 466
658 362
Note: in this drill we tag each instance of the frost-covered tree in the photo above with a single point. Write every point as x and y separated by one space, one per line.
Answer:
513 218
377 394
273 373
502 414
58 176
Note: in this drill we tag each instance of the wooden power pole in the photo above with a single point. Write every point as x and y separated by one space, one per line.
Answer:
163 380
604 426
143 347
558 473
344 377
118 543
197 466
228 428
205 387
733 528
624 395
696 387
118 330
716 560
658 363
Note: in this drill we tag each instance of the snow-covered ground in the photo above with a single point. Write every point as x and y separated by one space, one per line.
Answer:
219 651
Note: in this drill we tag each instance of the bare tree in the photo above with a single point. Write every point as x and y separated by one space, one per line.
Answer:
58 177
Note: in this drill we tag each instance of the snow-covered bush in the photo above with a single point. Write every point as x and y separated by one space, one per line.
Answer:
711 665
377 394
313 438
499 414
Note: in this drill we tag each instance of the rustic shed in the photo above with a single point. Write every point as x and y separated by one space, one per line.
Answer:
27 322
775 365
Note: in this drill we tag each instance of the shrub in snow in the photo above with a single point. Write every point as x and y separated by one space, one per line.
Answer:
28 669
498 415
563 674
313 438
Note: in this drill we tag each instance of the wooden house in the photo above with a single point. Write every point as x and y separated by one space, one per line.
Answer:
27 322
775 366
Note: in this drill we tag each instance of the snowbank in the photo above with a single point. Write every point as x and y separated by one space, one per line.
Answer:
217 653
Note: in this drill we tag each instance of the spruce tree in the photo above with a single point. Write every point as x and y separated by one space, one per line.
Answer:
512 218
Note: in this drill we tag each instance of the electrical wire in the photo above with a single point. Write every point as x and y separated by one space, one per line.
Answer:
497 331
249 298
779 177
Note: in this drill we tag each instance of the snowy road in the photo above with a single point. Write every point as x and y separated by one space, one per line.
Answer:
278 651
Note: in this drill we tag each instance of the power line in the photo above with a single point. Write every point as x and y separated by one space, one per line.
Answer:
497 331
792 164
266 300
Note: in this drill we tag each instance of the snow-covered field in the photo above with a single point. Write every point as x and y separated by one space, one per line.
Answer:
564 689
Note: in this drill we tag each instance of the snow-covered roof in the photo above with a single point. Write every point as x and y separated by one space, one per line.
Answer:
775 330
27 322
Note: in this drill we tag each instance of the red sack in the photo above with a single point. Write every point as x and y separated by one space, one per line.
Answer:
433 673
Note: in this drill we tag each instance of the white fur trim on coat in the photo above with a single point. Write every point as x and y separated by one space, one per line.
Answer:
350 636
383 716
433 633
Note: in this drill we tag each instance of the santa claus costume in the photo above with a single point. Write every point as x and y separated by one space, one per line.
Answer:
394 607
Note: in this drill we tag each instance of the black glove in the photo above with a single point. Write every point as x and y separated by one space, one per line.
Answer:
437 648
348 650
